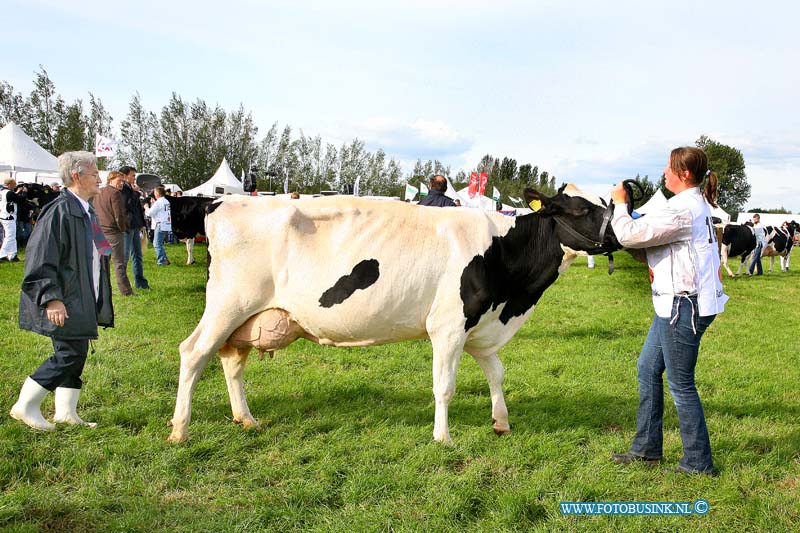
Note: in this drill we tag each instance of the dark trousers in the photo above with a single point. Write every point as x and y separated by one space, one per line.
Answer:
120 262
65 366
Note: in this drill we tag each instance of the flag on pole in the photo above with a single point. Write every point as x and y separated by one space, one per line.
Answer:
104 146
495 194
356 186
286 184
473 184
411 192
484 179
423 190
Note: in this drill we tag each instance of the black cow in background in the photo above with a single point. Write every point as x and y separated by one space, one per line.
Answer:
737 240
779 243
39 195
188 215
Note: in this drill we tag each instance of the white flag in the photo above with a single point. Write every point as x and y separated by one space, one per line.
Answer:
411 191
104 146
356 186
495 194
423 190
451 191
286 185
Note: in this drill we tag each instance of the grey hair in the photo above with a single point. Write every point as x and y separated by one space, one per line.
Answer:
70 162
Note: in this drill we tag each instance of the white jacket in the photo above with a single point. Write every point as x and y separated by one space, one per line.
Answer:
682 251
160 215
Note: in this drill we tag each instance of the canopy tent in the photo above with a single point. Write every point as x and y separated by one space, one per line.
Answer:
20 153
768 219
222 182
721 214
658 200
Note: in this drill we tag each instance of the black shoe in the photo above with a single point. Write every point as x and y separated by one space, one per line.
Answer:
713 472
628 458
14 259
144 288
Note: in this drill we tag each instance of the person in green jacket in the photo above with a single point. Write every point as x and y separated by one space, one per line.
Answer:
66 292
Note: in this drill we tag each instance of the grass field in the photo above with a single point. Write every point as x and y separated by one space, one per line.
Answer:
346 442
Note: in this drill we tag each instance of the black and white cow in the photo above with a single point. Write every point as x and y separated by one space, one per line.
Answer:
39 195
738 240
346 271
779 243
188 220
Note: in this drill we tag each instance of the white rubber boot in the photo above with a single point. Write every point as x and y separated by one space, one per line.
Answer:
28 408
67 408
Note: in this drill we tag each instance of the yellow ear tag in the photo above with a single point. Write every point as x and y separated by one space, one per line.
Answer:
535 205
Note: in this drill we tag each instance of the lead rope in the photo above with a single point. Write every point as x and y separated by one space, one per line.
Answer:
677 312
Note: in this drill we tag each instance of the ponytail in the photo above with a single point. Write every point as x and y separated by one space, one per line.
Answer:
695 161
710 190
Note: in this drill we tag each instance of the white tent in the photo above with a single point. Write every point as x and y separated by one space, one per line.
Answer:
658 200
768 219
222 182
20 153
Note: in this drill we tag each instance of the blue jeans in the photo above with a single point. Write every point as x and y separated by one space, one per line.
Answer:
674 348
133 248
756 262
158 244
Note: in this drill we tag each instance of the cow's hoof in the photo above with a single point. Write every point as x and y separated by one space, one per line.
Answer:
444 441
177 436
500 429
248 423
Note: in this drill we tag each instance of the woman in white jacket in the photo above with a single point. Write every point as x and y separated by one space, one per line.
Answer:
683 260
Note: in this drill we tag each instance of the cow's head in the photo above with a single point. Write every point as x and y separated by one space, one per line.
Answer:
583 223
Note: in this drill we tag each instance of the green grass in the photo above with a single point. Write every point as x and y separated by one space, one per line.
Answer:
346 441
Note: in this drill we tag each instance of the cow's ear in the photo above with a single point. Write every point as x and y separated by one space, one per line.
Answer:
536 200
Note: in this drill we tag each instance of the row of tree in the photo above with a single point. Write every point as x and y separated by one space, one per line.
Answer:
726 162
186 141
55 125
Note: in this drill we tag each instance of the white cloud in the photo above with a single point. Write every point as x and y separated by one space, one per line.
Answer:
422 138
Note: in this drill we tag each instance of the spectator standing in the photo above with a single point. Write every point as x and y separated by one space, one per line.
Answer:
133 236
761 243
162 224
66 292
8 219
24 218
110 207
436 197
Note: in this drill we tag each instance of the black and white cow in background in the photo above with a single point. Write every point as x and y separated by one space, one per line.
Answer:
39 195
187 214
738 240
345 271
779 243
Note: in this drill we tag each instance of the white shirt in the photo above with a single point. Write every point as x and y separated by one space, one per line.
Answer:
682 251
95 253
761 235
160 215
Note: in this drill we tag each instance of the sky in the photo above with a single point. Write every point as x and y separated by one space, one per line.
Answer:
593 92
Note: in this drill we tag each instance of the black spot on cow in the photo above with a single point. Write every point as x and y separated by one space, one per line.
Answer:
363 275
516 269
